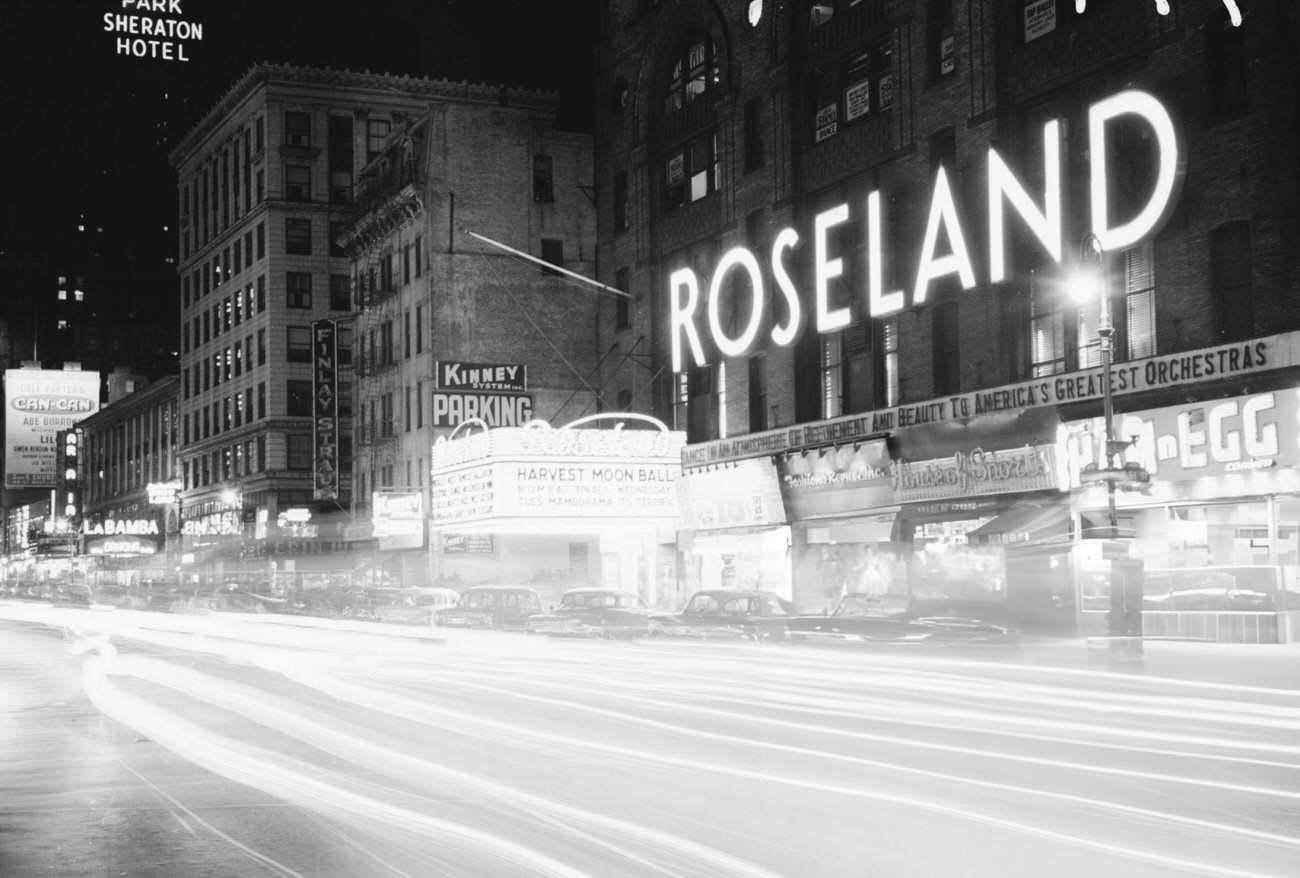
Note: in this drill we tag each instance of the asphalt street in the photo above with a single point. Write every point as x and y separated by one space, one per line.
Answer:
156 745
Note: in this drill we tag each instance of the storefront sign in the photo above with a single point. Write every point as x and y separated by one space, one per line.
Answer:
227 523
398 519
125 545
944 223
1154 373
325 410
975 473
494 409
746 493
1040 19
468 544
1220 437
831 481
38 404
112 526
480 377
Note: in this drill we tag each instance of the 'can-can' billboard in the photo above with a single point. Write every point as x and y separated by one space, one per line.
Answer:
38 404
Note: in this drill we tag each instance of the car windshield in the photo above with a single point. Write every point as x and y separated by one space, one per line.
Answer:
600 599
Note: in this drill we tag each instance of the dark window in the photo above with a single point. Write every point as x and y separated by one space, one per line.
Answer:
753 134
419 328
261 404
691 171
939 36
694 72
298 344
946 349
261 293
943 150
553 252
297 129
376 133
419 256
622 308
297 285
620 201
299 452
261 240
340 159
337 230
340 292
1227 65
625 400
297 237
1231 276
543 178
860 87
297 183
299 404
758 414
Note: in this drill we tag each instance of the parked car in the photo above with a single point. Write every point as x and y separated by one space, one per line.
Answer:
594 612
731 614
870 620
414 606
492 606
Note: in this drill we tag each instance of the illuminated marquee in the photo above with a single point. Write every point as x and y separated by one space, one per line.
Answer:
1045 224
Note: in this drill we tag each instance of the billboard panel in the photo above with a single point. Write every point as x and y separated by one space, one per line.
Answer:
38 404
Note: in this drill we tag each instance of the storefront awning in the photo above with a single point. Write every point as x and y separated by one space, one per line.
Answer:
1023 524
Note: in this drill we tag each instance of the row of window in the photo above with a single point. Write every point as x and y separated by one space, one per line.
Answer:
217 186
224 316
224 265
239 459
226 414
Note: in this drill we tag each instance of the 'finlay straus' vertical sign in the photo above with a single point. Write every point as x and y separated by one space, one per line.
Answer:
152 29
325 410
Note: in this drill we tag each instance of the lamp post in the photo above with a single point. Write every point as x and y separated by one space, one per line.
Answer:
1124 619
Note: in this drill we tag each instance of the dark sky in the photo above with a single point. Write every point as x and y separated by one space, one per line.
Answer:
87 129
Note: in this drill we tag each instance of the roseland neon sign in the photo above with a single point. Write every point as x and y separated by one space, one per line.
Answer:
1004 190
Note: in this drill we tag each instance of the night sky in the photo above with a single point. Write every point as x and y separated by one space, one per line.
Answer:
87 131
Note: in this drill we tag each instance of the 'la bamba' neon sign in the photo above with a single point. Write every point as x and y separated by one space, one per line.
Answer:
1003 189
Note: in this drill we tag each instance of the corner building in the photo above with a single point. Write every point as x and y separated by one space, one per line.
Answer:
932 451
267 183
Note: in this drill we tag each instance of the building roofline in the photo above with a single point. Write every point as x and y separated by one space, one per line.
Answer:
381 83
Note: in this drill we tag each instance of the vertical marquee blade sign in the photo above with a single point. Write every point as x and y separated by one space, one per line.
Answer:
325 410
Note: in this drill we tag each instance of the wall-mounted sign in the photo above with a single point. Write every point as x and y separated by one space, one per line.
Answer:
162 493
827 481
936 261
1040 19
1213 438
325 410
398 518
125 545
152 36
38 404
976 472
1154 373
742 494
468 544
480 377
494 409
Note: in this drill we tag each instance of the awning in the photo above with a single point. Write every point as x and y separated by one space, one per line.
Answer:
1023 524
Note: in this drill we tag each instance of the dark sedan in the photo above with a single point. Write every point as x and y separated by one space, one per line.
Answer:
727 614
491 606
864 620
594 612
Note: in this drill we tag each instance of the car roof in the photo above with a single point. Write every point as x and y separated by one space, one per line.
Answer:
593 590
736 592
500 588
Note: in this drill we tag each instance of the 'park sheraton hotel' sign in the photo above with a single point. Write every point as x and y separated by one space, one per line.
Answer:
152 29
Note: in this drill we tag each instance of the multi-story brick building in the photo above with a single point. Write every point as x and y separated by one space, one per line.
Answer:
266 186
856 149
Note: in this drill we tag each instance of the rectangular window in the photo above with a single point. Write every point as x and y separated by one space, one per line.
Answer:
419 256
297 183
337 231
407 410
691 171
340 292
386 425
406 264
300 451
753 134
1046 331
1140 301
261 293
1231 280
376 133
419 329
261 347
261 401
552 252
889 353
622 305
297 128
947 348
298 344
543 178
297 237
406 335
419 405
297 285
300 398
261 240
620 201
340 159
758 414
832 374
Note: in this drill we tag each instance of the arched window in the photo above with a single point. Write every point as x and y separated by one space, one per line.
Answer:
694 72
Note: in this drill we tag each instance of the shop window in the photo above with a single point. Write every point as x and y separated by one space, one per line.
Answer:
694 73
1230 277
1227 65
946 348
691 171
543 178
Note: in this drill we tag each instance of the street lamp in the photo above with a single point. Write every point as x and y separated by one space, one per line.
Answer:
1124 620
